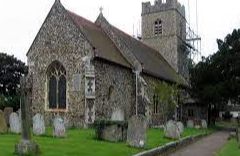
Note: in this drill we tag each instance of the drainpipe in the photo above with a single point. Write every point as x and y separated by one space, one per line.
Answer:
136 81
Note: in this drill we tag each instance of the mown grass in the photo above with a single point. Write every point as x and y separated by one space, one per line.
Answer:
83 142
231 148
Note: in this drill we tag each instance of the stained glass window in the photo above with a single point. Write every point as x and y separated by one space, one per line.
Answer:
56 75
52 92
62 92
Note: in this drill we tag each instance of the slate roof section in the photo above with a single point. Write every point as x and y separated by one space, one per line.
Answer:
105 48
152 61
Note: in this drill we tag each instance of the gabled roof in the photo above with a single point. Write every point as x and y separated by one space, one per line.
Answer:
151 60
104 46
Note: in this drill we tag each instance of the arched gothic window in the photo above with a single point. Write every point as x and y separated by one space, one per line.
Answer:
56 83
158 27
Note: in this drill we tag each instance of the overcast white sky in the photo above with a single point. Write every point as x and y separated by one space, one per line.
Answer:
20 20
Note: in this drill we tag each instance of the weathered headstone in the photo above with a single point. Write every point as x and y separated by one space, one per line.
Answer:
180 127
172 130
117 115
204 123
136 133
7 112
190 124
38 125
26 146
3 125
15 125
58 127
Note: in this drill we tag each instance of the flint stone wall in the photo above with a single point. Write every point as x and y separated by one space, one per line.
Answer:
115 89
58 39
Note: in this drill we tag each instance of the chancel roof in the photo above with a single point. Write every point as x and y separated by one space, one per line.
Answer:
152 62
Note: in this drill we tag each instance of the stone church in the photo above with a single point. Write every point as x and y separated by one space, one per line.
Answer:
83 70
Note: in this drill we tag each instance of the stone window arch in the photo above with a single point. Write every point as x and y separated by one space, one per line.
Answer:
56 86
158 27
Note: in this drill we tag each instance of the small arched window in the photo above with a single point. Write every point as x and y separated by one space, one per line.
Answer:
56 83
158 27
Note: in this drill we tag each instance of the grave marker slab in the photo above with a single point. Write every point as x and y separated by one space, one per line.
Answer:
38 125
15 124
58 127
7 112
136 133
3 124
172 130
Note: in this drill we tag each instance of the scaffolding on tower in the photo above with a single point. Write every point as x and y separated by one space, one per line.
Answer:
193 40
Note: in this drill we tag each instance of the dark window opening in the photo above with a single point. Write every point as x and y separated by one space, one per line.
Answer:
56 77
155 104
190 113
158 27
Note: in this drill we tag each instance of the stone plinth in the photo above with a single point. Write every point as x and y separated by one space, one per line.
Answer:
113 131
26 147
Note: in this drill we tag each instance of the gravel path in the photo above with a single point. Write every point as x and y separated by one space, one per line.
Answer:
207 146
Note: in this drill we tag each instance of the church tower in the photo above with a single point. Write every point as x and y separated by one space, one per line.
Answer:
164 29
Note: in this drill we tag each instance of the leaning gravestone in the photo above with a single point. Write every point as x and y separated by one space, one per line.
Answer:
7 112
15 125
180 127
117 115
38 125
136 133
204 123
172 130
190 124
58 127
3 125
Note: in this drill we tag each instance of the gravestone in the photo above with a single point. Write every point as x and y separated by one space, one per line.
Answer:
3 125
172 130
180 127
117 115
26 146
14 122
38 125
136 133
7 112
204 123
58 127
190 124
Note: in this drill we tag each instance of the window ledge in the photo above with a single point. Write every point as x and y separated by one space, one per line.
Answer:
57 110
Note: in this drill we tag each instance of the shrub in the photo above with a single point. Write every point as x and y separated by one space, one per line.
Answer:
10 101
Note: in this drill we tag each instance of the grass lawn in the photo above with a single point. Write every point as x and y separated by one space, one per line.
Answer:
230 149
82 142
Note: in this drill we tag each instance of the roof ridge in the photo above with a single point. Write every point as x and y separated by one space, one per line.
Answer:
75 15
156 52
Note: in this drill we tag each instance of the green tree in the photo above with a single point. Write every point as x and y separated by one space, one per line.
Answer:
11 69
168 96
216 79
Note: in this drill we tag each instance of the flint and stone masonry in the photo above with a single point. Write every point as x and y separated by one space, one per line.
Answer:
93 68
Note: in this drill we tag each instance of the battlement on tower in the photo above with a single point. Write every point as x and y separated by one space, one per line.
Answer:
159 6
